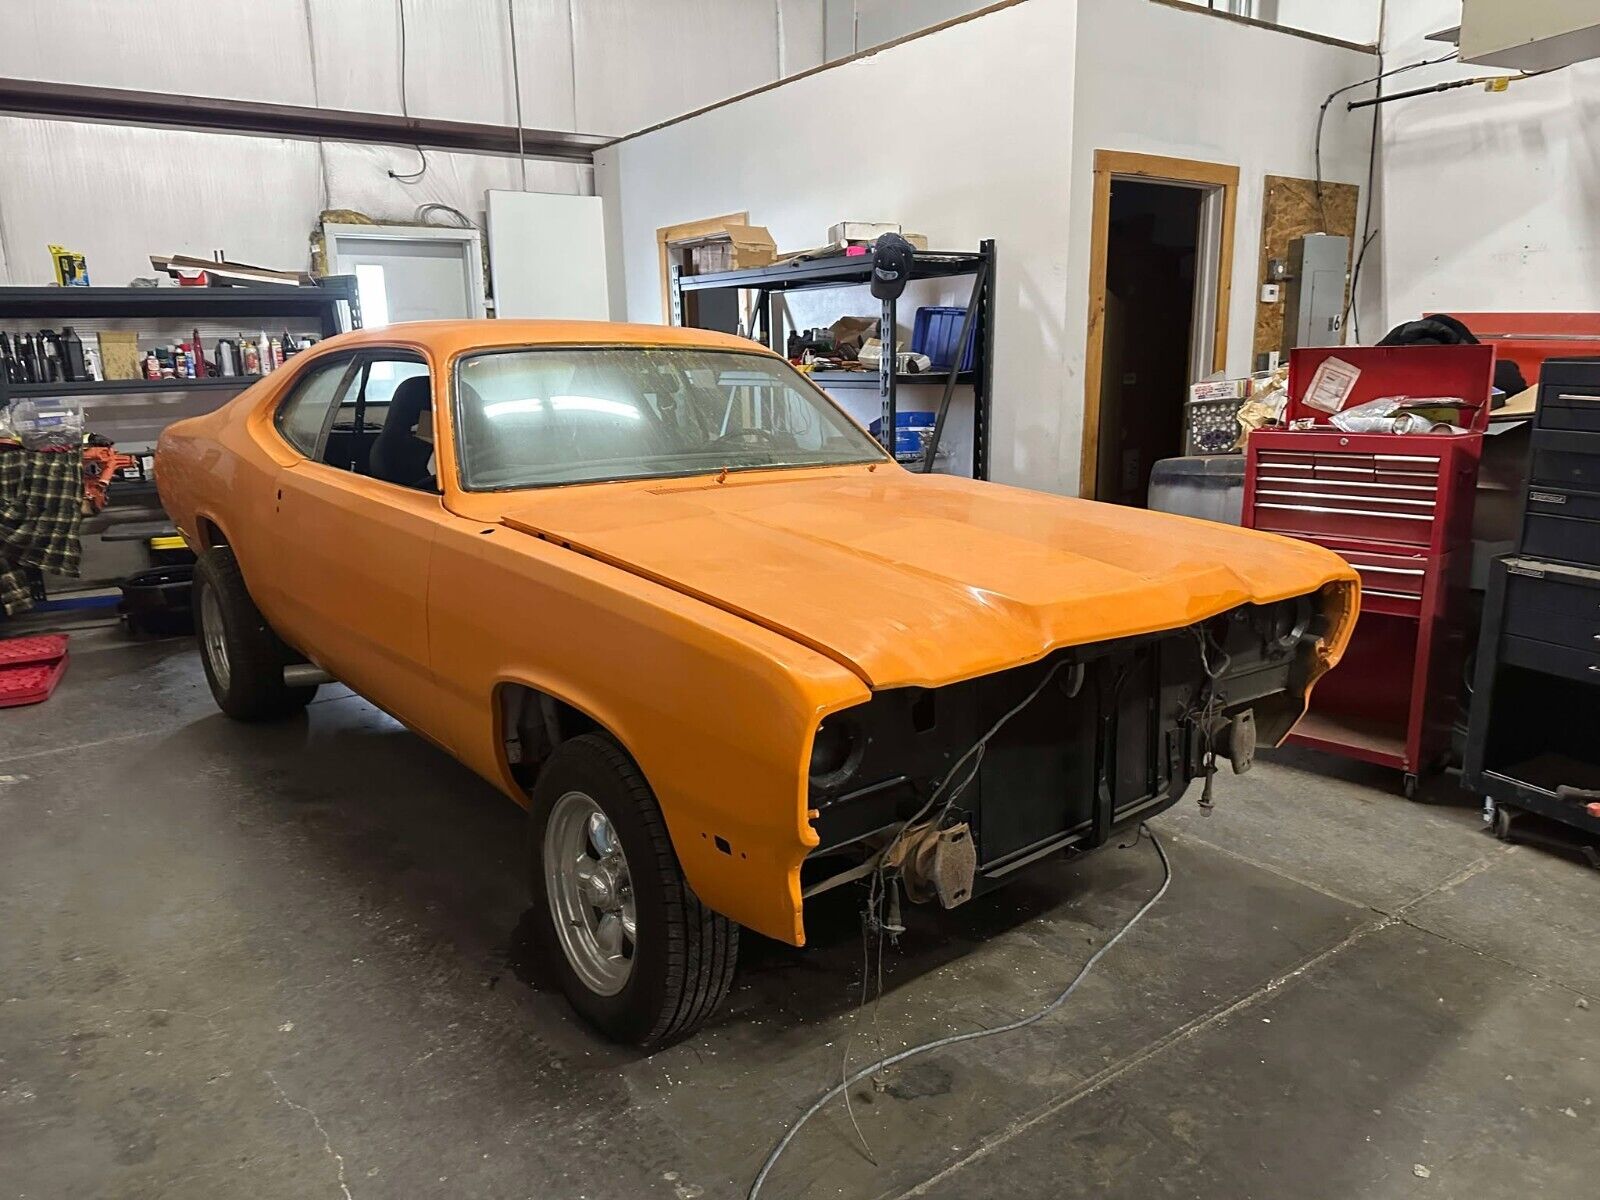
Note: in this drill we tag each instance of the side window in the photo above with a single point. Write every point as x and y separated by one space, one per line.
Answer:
302 416
396 404
384 375
363 413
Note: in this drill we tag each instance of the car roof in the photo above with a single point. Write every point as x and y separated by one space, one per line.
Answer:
447 338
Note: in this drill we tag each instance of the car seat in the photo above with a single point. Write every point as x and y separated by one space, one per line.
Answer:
398 454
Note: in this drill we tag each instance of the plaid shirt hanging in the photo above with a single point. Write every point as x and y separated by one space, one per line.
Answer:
41 508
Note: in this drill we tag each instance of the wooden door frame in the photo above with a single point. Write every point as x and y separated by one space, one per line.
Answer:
1109 164
688 231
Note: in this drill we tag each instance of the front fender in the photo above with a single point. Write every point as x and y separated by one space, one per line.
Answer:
717 712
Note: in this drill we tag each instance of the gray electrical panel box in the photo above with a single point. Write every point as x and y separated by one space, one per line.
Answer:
1313 313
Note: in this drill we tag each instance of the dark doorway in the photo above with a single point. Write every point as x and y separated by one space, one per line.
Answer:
1152 263
717 309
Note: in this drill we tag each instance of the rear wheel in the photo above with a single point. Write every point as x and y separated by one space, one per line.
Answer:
635 951
243 658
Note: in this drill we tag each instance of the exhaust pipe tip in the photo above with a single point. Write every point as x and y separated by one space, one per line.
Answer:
305 675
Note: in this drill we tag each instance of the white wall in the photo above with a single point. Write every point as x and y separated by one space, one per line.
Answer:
1161 80
118 194
998 91
599 66
1490 202
855 25
1025 95
1350 20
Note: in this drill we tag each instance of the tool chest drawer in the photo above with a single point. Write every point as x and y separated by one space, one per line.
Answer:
1581 665
1405 491
1566 539
1402 472
1374 520
1418 497
1366 496
1389 574
1568 409
1392 582
1577 633
1560 595
1569 395
1562 459
1564 502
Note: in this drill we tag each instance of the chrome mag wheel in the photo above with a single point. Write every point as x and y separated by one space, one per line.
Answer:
591 893
213 636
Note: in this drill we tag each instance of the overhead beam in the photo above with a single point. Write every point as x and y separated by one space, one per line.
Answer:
119 106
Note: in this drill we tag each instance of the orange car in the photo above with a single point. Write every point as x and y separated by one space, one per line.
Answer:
658 588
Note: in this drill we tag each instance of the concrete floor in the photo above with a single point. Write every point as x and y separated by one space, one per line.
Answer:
286 962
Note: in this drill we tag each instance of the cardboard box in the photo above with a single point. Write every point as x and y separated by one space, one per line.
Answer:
861 231
752 246
734 249
71 270
855 233
119 354
1220 389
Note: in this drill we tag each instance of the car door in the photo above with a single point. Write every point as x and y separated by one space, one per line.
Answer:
353 550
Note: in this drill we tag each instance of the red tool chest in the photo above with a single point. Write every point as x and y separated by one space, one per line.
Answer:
1398 508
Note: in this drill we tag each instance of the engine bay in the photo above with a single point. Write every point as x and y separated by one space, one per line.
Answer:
1071 749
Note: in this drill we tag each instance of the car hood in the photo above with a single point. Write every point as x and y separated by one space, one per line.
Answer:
908 579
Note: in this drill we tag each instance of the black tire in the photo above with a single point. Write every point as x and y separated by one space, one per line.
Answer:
249 687
684 954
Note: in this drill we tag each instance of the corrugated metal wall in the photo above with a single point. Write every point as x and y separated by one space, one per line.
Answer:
119 194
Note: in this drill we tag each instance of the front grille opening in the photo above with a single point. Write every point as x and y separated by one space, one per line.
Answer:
924 715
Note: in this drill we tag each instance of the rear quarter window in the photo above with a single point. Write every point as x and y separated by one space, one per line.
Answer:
304 412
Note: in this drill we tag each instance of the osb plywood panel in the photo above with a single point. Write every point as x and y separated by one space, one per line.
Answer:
1289 209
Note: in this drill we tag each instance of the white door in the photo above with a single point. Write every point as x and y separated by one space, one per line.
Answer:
406 274
547 256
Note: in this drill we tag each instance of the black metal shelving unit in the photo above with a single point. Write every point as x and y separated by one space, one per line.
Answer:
134 411
334 306
181 303
771 282
120 387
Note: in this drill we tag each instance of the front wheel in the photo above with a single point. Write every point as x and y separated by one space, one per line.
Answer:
243 657
635 951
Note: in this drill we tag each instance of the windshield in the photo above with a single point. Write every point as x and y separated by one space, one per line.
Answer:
532 418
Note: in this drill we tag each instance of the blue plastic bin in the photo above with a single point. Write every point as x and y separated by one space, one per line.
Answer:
935 333
908 430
